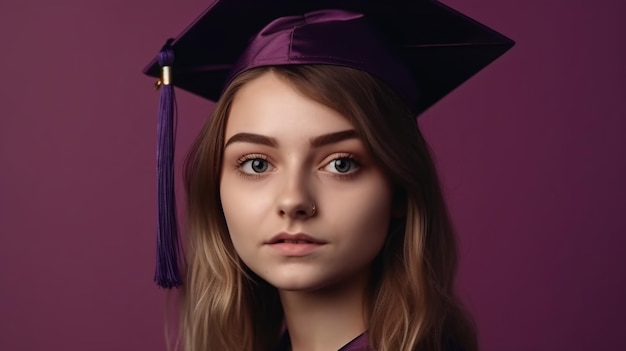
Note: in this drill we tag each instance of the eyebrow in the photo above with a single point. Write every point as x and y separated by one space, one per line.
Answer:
251 138
318 141
333 138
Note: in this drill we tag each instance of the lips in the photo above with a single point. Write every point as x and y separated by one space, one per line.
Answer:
294 239
295 245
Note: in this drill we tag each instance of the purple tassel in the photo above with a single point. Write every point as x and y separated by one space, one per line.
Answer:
167 274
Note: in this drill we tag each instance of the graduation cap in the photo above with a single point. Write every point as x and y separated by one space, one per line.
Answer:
421 48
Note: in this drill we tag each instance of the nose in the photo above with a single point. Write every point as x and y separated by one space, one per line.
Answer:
295 200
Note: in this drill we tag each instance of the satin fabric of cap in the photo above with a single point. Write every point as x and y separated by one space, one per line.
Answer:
333 37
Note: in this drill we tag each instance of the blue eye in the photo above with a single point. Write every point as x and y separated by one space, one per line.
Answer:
255 165
342 165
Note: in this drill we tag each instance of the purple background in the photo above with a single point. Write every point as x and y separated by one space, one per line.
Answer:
531 153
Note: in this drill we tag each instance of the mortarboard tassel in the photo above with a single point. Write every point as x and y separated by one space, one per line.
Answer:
167 274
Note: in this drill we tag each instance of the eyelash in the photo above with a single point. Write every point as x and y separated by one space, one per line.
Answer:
245 159
351 158
342 176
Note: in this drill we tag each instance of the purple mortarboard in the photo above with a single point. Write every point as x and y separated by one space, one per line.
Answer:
422 49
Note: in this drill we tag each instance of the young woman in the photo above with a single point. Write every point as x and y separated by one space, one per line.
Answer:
315 216
313 201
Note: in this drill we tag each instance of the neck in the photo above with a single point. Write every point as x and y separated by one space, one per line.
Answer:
325 319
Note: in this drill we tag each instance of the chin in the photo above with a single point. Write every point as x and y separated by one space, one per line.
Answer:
303 282
297 284
297 280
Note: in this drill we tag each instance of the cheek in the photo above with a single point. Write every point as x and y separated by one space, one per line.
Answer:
375 227
244 210
365 217
234 209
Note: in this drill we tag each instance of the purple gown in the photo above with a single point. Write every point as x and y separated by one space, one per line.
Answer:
357 344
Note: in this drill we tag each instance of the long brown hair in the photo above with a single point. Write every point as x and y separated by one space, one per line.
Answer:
411 303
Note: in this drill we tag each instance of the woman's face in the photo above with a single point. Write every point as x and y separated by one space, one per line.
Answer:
305 203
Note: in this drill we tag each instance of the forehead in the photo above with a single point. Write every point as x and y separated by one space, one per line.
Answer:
270 104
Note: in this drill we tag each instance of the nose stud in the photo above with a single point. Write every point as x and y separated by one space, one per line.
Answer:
313 210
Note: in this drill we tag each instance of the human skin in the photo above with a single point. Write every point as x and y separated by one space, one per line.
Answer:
271 189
